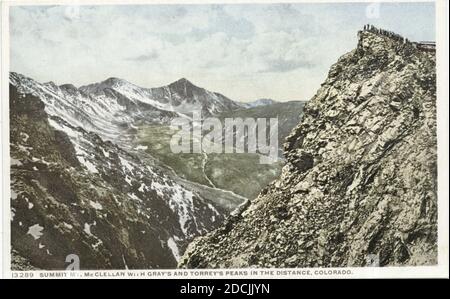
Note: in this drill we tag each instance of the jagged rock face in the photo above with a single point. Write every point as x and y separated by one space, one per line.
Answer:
360 177
74 193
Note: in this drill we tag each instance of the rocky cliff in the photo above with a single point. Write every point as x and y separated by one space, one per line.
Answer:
360 178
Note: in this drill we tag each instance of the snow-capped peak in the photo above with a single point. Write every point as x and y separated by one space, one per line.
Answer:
110 83
260 102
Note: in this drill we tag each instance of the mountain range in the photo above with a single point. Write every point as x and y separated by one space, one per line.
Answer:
86 178
259 102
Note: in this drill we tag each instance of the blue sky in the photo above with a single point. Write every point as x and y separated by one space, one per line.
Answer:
279 51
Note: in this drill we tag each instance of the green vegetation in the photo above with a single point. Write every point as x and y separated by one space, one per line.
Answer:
240 173
288 114
157 139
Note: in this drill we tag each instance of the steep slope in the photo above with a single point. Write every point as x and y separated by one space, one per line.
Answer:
361 173
74 193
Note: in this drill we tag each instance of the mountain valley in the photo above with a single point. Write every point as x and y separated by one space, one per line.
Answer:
94 162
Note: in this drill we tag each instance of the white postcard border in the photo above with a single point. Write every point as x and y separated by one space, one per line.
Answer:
441 270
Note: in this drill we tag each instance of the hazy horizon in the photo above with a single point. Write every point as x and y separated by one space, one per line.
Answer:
243 51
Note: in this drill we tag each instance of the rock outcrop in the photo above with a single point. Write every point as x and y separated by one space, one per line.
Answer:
360 178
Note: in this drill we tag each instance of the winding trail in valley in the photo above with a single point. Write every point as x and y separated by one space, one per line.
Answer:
204 162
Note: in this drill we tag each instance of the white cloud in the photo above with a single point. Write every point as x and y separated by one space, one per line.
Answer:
243 51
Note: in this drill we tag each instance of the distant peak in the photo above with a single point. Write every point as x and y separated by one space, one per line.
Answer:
68 86
265 101
51 83
113 80
182 81
260 102
110 81
183 86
